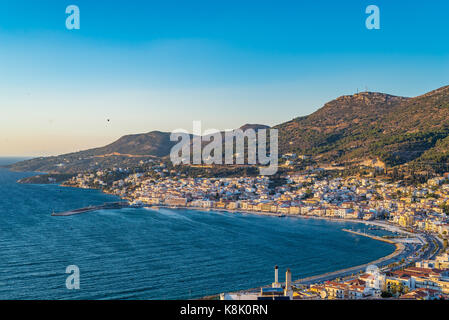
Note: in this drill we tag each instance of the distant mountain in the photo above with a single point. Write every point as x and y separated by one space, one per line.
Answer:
373 125
353 128
128 150
154 143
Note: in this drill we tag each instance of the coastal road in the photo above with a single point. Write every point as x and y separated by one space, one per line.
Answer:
433 248
399 254
407 252
404 251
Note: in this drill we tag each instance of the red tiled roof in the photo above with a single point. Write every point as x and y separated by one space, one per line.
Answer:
356 282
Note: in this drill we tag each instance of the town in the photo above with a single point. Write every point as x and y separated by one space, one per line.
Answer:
416 215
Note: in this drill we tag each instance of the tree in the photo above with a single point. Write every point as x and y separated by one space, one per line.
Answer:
395 289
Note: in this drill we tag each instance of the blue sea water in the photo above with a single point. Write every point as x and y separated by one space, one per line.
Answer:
156 254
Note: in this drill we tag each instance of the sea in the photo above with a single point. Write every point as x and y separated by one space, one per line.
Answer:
156 254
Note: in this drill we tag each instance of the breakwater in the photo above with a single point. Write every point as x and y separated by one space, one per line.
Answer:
105 206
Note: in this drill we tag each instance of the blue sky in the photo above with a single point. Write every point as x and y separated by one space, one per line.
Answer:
159 65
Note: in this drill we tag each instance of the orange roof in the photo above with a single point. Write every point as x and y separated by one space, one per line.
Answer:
336 285
356 288
358 282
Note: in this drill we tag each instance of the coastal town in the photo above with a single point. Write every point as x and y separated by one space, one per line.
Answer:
415 215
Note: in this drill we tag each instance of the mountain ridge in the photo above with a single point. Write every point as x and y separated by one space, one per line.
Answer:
350 128
395 129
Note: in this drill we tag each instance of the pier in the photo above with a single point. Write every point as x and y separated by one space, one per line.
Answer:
369 236
105 206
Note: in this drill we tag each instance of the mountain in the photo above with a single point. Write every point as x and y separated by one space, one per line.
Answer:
352 128
255 127
154 143
126 151
394 129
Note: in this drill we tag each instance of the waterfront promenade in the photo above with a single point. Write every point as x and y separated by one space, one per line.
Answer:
402 251
392 257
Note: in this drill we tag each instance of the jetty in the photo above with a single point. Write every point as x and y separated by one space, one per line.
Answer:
369 236
105 206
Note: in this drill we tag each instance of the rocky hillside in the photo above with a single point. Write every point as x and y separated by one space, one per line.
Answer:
354 128
129 150
368 124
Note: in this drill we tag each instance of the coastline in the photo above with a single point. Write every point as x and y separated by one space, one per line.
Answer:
331 274
380 262
392 257
344 272
378 223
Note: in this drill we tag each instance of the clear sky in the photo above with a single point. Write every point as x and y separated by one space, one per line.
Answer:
159 65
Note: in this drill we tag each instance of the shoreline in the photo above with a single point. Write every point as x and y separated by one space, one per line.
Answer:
316 278
331 274
378 223
319 278
388 259
355 269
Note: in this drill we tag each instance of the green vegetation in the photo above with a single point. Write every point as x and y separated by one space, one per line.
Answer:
372 125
